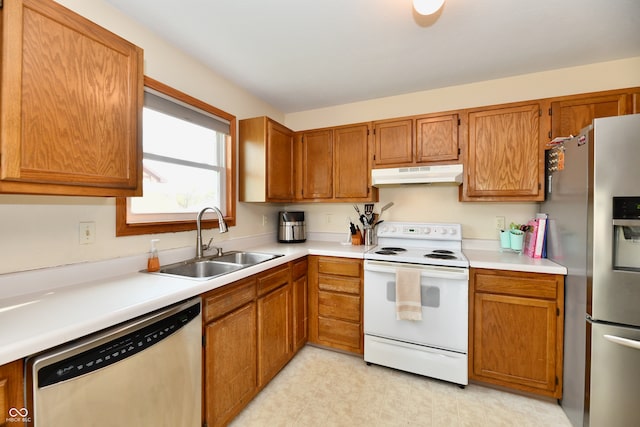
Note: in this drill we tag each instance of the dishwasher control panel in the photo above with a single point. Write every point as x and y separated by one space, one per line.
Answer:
114 345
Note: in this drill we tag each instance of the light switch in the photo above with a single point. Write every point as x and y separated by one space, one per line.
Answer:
87 233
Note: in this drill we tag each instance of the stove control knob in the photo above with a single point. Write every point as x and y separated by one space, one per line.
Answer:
442 231
426 230
452 231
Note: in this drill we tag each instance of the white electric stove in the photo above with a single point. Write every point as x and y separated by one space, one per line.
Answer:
436 345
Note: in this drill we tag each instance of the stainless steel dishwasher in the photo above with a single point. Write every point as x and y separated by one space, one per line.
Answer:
145 372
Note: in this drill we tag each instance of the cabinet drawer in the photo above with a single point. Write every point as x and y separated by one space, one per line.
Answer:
339 332
517 283
227 299
273 279
340 267
339 284
339 306
299 268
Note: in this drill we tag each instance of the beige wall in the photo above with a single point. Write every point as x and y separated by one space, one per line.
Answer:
589 78
42 231
37 231
440 203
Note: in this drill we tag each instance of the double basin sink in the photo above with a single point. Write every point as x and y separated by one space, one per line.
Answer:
213 266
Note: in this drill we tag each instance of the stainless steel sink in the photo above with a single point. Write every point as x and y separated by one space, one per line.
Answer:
200 268
210 267
245 258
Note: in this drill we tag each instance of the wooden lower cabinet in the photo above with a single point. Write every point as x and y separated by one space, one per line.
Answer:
251 329
230 356
335 303
275 336
300 306
11 385
516 330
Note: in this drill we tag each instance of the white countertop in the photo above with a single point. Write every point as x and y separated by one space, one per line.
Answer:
512 261
44 308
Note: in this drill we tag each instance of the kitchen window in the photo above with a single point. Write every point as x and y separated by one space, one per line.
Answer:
188 158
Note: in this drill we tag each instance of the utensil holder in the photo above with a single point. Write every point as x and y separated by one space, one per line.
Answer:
370 237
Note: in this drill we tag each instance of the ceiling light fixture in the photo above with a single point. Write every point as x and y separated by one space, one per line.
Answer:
427 7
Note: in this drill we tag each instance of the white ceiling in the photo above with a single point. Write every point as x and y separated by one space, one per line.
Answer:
301 54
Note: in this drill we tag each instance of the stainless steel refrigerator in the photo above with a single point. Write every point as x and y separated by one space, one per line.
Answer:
593 207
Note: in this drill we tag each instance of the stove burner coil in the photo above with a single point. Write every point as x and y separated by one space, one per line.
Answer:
442 251
386 252
440 256
390 248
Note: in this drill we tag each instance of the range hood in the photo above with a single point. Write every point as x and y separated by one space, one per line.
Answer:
417 175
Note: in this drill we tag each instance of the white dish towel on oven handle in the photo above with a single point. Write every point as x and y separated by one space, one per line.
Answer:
408 295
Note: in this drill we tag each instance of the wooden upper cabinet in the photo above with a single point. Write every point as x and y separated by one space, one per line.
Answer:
279 160
266 165
352 162
71 104
317 164
437 138
393 142
571 114
416 140
635 102
505 155
335 164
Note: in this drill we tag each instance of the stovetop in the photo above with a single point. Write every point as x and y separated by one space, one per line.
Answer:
419 243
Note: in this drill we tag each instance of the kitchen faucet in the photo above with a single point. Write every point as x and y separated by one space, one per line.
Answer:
222 225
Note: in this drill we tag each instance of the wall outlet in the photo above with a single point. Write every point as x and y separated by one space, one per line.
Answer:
87 233
500 223
329 218
264 220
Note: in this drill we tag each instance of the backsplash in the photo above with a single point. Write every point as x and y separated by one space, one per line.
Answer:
424 203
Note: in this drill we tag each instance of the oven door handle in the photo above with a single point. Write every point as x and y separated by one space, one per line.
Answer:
437 271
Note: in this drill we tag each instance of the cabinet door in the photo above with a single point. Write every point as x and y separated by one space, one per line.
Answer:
11 385
317 164
506 157
279 163
635 103
570 116
437 138
71 108
514 341
299 312
352 169
274 333
393 142
230 364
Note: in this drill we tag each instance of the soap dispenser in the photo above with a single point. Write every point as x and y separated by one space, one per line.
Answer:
153 263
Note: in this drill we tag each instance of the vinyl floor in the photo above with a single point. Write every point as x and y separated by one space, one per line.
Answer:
324 388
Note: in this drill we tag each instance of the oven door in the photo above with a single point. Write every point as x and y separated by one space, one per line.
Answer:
444 292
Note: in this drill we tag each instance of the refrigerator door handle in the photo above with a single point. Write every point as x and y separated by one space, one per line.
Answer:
623 341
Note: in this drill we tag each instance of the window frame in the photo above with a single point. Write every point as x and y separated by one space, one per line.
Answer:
126 229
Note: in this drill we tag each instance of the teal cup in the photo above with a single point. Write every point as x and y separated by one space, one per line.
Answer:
505 239
516 240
